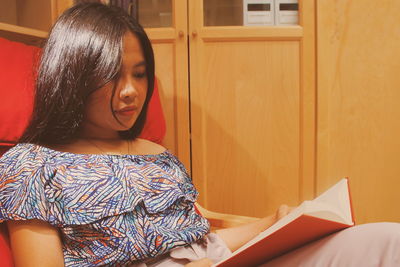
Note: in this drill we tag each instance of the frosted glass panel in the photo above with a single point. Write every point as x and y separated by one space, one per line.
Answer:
155 13
250 12
151 13
223 12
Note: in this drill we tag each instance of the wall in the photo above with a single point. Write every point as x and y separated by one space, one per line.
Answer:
358 103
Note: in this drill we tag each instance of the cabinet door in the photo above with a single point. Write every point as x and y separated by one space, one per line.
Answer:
252 98
170 46
358 103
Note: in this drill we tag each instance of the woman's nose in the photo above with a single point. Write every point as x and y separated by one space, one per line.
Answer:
128 91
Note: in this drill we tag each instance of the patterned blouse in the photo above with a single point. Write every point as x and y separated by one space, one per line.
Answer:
110 209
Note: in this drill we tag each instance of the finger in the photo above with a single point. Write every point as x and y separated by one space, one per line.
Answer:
283 210
205 262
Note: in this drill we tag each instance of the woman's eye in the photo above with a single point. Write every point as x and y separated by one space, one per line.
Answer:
139 74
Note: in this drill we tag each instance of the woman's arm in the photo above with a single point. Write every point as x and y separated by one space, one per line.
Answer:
205 262
236 237
35 243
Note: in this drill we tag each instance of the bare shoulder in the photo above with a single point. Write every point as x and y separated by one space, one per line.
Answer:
144 146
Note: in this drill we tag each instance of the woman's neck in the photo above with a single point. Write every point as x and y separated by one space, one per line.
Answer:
108 146
99 145
99 135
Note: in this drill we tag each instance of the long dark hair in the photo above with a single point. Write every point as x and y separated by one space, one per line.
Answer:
82 54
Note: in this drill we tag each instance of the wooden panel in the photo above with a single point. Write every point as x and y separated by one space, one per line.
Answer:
164 57
358 103
245 126
36 14
251 33
174 98
21 34
8 11
58 7
171 56
308 97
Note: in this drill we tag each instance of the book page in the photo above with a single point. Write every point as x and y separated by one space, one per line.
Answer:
333 204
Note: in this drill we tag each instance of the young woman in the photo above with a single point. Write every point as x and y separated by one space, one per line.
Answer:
81 189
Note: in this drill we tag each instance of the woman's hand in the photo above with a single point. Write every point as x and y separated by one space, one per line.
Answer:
236 237
205 262
282 211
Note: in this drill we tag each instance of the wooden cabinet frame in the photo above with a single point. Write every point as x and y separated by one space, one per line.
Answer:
201 37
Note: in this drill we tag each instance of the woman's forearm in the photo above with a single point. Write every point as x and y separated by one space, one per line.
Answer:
236 237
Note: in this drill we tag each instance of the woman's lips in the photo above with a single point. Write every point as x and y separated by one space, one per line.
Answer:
127 111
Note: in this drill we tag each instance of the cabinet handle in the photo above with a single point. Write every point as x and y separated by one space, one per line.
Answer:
181 34
194 34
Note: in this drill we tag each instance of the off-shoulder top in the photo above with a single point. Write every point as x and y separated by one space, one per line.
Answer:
110 209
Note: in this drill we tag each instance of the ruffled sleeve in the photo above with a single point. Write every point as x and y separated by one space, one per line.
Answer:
25 190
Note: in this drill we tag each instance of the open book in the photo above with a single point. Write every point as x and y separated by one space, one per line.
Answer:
328 213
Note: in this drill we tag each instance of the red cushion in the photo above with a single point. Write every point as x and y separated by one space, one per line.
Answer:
6 259
16 88
155 126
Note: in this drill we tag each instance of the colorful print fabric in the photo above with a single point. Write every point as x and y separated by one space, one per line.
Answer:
111 209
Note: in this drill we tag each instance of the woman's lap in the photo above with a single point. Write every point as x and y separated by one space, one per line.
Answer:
367 245
374 244
211 246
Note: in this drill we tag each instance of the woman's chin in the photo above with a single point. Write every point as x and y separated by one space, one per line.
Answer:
125 128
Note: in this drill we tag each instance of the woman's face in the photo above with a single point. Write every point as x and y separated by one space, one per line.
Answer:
130 94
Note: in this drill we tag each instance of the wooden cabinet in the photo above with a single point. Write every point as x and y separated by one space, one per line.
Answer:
278 115
252 96
269 115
